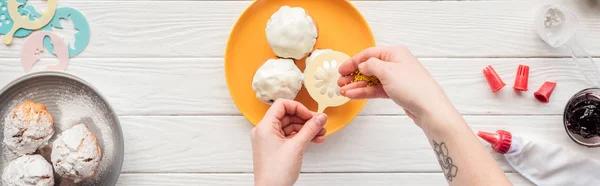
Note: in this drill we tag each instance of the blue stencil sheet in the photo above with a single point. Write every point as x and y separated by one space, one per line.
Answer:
82 37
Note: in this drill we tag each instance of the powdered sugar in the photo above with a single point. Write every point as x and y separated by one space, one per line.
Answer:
553 22
82 109
75 153
7 155
554 18
28 169
28 127
72 108
71 101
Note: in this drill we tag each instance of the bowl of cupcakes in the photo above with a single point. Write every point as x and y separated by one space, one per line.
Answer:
56 129
292 50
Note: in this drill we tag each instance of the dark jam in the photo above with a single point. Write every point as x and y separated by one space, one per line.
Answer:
583 116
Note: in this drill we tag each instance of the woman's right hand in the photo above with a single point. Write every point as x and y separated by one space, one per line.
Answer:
409 84
403 79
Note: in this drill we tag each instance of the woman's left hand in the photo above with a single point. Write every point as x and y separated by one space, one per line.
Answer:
280 139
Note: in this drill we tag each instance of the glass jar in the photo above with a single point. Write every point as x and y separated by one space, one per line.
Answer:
582 117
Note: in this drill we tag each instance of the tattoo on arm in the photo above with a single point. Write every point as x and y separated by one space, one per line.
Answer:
445 161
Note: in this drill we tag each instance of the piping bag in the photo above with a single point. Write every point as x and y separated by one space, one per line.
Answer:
544 163
557 26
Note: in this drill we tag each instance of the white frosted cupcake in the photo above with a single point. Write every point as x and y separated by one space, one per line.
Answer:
277 79
28 170
76 153
291 32
28 127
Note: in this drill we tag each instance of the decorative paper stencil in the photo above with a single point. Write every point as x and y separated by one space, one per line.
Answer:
33 46
320 79
23 21
6 22
82 37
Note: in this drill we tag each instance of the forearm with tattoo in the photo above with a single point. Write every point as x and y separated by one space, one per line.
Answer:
448 166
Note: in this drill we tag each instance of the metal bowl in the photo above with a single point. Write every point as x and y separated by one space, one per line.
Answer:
71 101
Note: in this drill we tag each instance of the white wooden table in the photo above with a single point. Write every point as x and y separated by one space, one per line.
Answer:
160 64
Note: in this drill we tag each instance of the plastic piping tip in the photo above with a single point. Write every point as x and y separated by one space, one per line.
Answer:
544 93
491 138
493 79
522 79
500 141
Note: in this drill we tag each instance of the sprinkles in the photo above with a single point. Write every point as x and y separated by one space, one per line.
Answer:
371 80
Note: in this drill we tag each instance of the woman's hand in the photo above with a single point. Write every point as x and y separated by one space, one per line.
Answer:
402 77
409 84
280 139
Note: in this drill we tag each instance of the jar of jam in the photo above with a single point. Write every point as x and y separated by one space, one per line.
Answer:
582 117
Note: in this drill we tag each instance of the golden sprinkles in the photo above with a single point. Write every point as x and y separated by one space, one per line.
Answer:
371 80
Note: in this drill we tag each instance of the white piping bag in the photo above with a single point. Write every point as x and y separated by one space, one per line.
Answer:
544 163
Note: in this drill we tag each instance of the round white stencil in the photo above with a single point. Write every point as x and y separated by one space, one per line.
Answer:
320 79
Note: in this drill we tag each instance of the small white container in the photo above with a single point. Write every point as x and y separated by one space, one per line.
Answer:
557 26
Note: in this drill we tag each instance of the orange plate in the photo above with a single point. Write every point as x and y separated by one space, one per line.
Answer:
341 27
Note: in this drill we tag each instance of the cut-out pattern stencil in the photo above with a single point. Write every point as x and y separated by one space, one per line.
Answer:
23 21
327 76
321 76
34 46
6 22
80 25
29 10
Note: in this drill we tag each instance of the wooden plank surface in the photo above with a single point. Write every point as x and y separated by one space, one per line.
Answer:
344 179
430 29
206 144
154 61
179 86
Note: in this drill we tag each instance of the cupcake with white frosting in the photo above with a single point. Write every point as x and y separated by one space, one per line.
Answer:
291 33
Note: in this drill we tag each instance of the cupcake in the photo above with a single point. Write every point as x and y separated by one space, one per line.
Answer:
76 153
291 33
277 79
28 170
28 127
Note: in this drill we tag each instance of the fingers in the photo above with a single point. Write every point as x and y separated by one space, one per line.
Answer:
373 67
288 119
319 139
366 92
359 90
292 128
283 107
354 85
322 132
351 65
310 130
295 128
345 80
